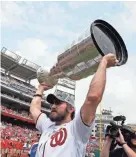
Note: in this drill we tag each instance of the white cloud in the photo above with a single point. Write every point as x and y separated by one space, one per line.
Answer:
11 13
124 21
130 21
55 10
32 47
49 21
77 4
36 51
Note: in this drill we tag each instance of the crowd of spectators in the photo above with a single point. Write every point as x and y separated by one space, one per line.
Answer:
18 84
12 96
20 113
18 137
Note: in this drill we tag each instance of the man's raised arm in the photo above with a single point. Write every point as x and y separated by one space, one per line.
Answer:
35 106
96 89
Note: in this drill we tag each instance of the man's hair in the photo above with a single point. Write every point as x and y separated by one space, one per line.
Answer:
73 115
69 106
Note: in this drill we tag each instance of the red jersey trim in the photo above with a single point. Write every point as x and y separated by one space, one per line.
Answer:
83 121
38 118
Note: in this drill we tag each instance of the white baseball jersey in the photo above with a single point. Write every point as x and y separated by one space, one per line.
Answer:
66 140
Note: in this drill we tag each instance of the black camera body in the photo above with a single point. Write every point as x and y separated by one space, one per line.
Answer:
112 130
118 123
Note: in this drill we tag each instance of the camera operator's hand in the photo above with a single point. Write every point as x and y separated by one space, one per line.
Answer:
108 139
129 151
120 139
106 147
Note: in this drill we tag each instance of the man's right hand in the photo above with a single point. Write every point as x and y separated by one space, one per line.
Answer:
44 87
35 107
44 78
110 59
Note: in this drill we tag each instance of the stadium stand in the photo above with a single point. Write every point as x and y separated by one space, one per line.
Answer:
17 112
18 132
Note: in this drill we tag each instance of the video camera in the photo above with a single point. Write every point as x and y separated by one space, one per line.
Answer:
118 123
112 130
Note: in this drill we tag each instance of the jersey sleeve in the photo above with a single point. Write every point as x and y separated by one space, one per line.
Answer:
43 122
80 130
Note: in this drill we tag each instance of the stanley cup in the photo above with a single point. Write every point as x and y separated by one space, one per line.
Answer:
82 57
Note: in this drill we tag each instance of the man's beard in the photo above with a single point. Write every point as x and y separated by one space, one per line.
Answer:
58 117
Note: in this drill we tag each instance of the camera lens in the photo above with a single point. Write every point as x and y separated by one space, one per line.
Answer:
113 132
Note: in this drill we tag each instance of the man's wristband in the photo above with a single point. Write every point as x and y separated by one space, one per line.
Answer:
39 95
123 143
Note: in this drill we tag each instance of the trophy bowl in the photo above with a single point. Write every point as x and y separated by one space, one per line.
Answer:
82 57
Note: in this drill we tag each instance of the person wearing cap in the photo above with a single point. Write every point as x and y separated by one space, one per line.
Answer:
62 134
33 149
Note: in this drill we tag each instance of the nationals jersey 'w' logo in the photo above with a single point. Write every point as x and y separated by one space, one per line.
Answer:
59 138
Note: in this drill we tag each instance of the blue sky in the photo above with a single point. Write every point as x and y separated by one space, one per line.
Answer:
39 31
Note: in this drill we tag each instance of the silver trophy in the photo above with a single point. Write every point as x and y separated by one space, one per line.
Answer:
82 57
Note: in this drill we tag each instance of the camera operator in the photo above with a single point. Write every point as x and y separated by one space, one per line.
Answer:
128 148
